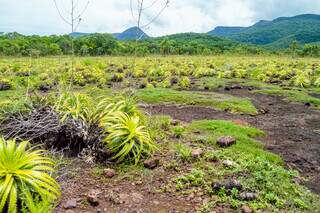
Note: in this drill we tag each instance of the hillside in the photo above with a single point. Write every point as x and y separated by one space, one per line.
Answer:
277 33
129 34
132 33
224 31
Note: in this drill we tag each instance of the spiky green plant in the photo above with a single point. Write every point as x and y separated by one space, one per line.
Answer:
23 177
127 137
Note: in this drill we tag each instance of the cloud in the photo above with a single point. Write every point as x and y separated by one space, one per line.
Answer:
41 17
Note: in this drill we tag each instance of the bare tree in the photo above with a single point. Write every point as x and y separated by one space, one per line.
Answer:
138 9
73 17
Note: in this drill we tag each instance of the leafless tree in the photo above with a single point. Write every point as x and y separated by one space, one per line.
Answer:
73 17
138 9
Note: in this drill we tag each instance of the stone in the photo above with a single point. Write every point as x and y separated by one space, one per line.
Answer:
196 153
229 163
246 209
92 197
248 196
70 211
174 122
233 184
44 87
4 86
151 163
226 141
109 173
236 86
70 204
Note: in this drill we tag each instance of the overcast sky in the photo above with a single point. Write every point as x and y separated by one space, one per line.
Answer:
41 17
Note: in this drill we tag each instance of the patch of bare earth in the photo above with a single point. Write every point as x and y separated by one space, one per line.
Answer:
293 129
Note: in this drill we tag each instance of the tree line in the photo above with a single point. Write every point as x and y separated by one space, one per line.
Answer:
14 44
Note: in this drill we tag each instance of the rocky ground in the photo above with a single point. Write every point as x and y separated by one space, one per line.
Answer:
293 132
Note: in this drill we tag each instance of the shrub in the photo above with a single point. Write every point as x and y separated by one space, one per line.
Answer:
185 82
23 177
127 137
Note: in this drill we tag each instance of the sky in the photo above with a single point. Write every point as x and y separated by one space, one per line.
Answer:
41 16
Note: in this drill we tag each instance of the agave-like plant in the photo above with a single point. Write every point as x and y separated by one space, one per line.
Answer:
24 180
127 137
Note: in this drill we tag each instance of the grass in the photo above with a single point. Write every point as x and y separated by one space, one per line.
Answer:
213 100
301 96
258 170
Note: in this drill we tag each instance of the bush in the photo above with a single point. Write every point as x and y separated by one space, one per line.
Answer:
23 177
127 137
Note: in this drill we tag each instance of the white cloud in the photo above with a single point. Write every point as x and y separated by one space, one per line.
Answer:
41 17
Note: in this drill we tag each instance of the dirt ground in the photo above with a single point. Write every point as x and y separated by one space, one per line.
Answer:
293 129
293 132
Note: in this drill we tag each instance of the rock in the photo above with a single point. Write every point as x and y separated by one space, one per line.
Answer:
233 184
44 87
307 104
92 197
226 141
229 163
248 196
109 173
70 204
246 209
70 211
4 86
236 86
175 123
196 153
151 163
228 186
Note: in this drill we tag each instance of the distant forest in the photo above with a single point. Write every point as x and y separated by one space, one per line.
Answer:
14 44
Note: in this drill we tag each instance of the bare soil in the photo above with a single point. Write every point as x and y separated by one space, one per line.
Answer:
293 129
293 132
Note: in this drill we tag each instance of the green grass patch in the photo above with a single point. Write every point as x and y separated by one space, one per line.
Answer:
213 100
258 171
293 95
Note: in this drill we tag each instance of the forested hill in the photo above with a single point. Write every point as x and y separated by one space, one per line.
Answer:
279 33
132 33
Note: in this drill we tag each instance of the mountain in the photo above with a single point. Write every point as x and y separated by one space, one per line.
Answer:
79 34
132 33
224 31
129 34
278 33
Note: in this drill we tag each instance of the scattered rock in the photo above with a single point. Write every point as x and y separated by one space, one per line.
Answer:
109 173
44 87
226 141
229 163
248 196
92 197
233 184
70 204
236 86
70 211
151 163
246 209
4 86
175 123
196 153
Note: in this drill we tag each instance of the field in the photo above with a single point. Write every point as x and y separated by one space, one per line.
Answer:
170 115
